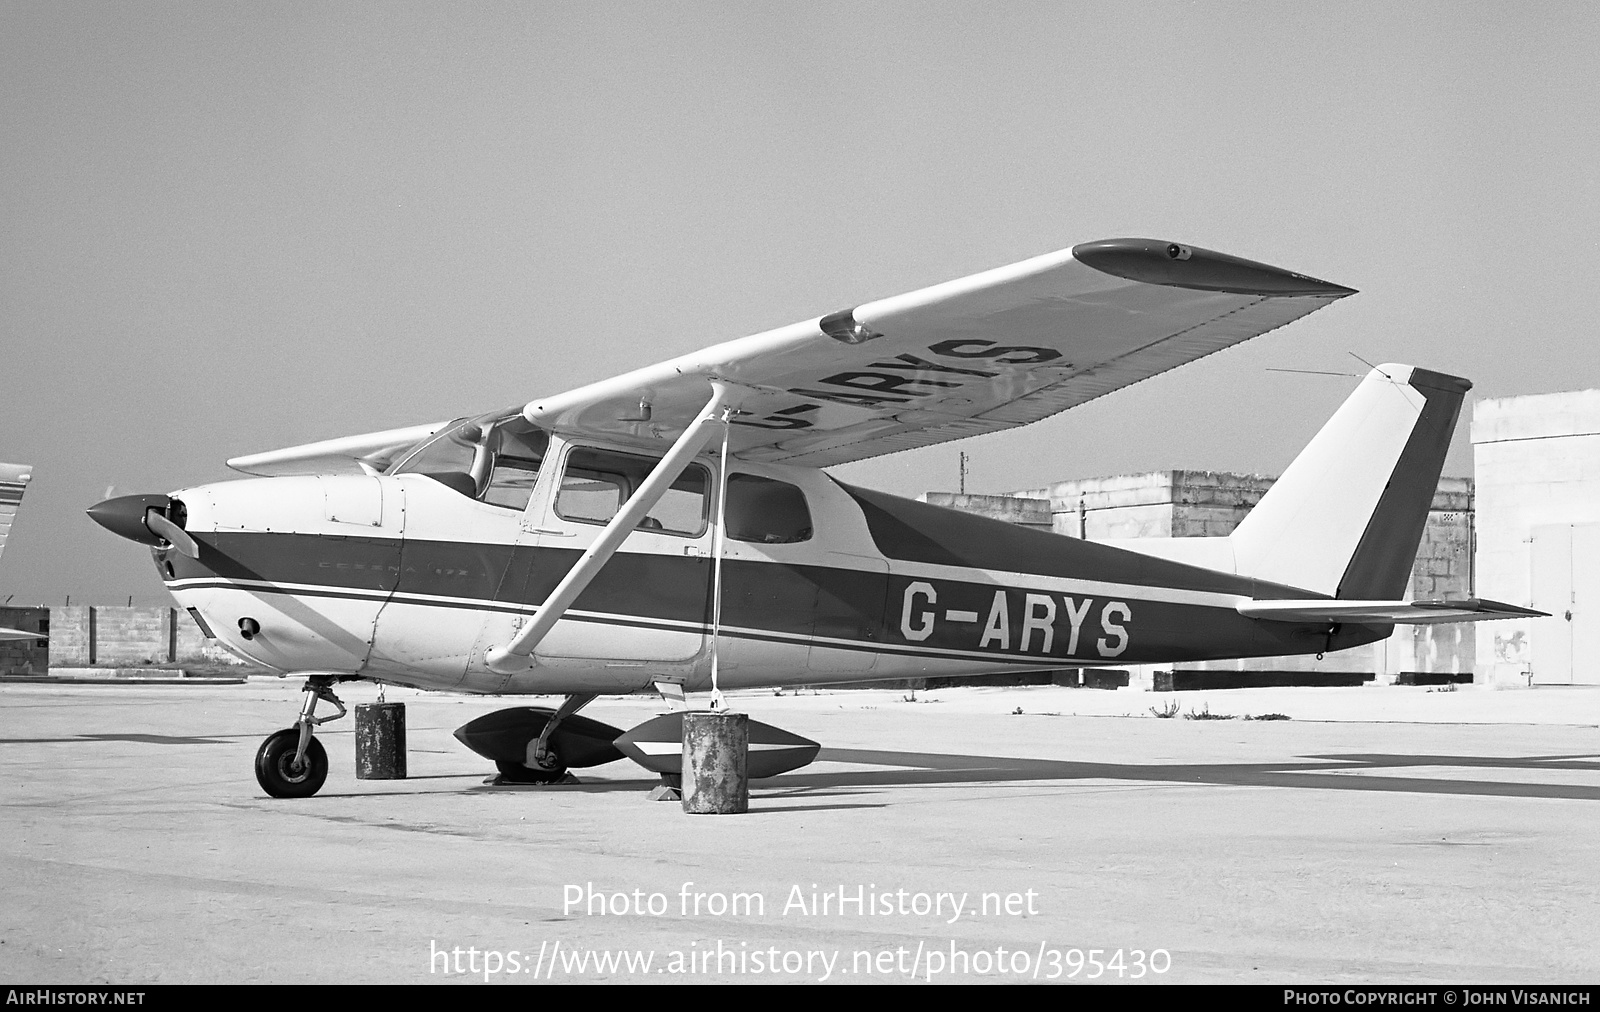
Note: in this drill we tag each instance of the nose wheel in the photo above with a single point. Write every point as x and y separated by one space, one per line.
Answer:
291 763
281 774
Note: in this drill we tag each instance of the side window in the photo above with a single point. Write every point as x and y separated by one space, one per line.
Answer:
597 482
766 512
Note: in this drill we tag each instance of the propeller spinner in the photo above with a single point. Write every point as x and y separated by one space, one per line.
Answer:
146 519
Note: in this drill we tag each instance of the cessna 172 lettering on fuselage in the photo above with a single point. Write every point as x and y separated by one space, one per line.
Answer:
673 526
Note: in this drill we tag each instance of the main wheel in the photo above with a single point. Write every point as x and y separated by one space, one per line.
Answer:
276 771
550 772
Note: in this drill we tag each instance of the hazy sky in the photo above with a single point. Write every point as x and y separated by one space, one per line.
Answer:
226 228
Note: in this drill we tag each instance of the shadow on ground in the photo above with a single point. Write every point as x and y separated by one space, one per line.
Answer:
917 769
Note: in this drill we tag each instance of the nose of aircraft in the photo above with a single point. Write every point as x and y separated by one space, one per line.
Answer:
125 516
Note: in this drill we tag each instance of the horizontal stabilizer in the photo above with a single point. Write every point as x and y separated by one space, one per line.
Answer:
1466 609
7 635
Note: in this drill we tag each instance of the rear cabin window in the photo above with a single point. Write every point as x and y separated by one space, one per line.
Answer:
597 482
766 512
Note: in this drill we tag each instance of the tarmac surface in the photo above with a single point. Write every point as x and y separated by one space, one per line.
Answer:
1382 835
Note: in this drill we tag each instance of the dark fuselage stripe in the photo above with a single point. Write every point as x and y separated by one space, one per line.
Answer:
623 621
976 619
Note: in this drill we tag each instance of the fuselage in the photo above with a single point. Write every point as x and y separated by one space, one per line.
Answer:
410 579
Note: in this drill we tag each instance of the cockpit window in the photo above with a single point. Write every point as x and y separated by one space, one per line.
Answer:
496 463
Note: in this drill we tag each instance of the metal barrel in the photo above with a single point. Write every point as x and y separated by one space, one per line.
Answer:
716 745
381 741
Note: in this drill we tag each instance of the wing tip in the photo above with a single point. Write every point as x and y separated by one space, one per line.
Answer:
1158 262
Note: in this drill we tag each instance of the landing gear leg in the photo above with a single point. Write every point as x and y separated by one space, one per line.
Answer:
291 763
544 764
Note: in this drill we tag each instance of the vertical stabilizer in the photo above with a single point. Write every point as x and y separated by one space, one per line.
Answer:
1346 517
14 480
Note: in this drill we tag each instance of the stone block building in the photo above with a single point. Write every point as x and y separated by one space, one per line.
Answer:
25 656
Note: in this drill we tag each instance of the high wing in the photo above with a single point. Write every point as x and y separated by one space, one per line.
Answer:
987 352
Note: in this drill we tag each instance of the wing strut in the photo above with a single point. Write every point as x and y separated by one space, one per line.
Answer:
516 655
719 545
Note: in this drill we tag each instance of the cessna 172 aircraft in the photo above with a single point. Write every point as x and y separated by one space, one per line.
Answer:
673 525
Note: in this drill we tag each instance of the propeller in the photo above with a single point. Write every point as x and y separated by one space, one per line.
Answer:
175 536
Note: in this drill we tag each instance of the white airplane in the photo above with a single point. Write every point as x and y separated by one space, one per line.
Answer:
673 526
14 480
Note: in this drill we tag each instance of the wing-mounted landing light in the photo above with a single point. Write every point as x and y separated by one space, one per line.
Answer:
147 519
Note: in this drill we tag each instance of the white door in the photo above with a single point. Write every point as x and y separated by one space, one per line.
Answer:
649 605
1550 641
1585 655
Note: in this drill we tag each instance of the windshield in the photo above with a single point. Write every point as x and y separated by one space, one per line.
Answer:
496 461
450 449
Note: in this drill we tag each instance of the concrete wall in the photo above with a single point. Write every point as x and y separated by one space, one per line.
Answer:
1211 504
70 636
1160 504
1012 509
87 636
1537 466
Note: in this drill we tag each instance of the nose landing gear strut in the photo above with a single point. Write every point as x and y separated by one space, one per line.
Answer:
291 763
